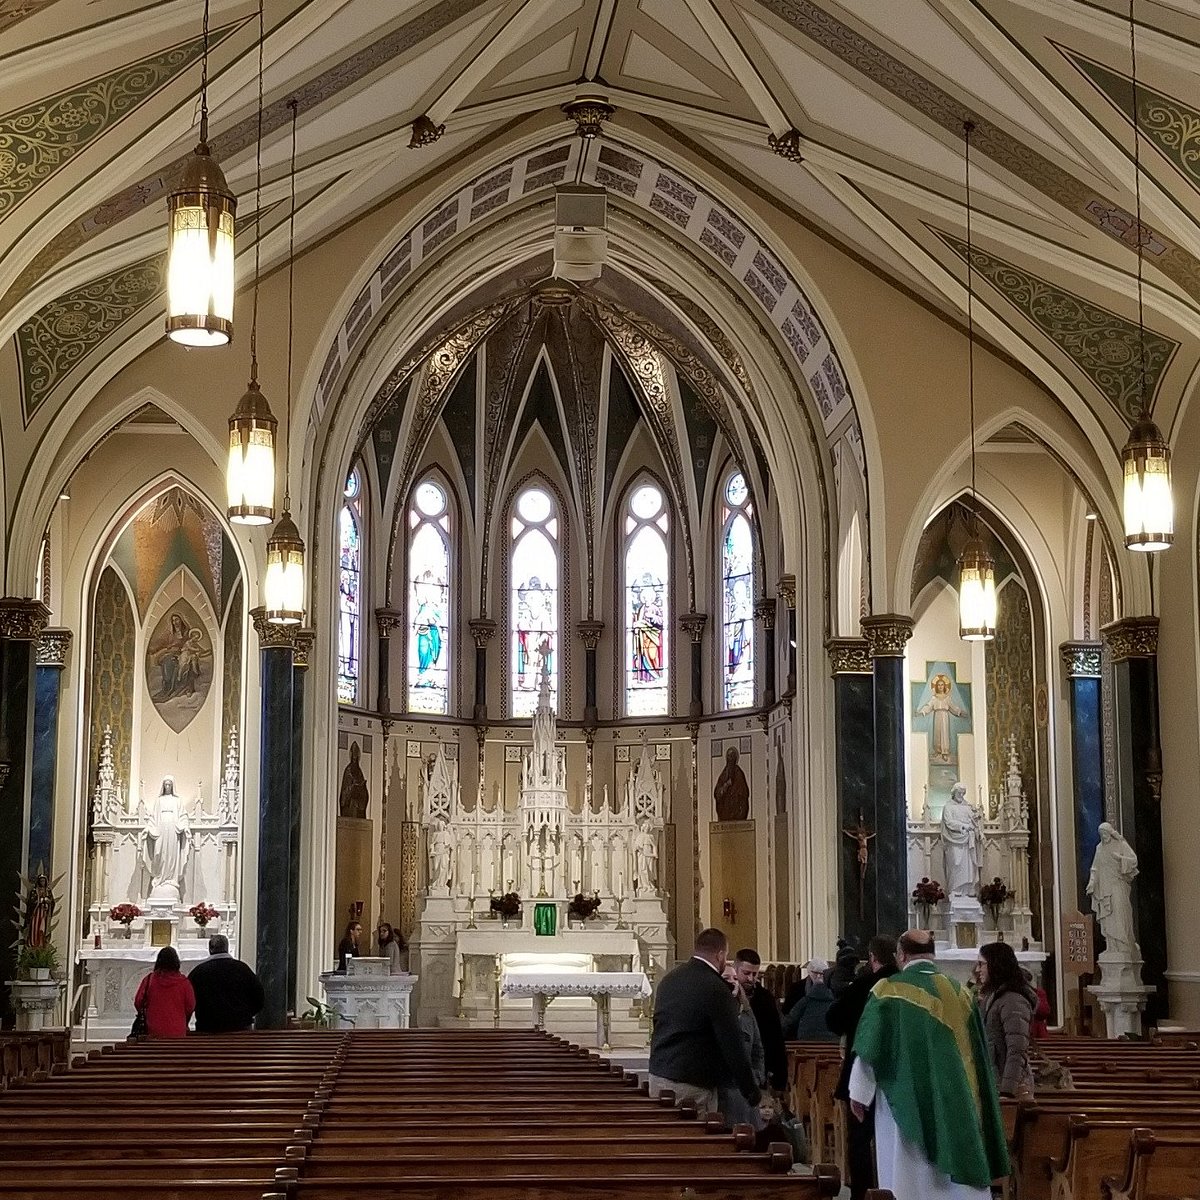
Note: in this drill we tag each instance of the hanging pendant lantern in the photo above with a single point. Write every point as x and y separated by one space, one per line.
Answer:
200 213
1149 507
976 593
284 585
250 476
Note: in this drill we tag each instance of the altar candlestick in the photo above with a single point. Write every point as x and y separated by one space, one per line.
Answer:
621 885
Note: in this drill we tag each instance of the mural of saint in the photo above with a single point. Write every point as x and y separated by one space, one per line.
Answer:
353 796
179 665
941 706
732 792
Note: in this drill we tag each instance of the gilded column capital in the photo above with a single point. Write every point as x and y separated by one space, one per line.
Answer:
887 634
53 647
387 619
692 623
787 589
764 611
302 645
1131 637
1081 659
271 636
849 656
589 632
22 620
482 630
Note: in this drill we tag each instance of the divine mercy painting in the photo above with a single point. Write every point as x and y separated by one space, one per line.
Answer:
941 709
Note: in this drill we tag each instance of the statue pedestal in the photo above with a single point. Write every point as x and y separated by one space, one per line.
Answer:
1121 995
34 1000
965 923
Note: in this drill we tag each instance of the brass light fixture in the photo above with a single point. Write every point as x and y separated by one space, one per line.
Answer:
250 474
200 247
1149 507
284 584
976 570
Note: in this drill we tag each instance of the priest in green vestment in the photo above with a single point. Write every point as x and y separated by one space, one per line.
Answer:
921 1058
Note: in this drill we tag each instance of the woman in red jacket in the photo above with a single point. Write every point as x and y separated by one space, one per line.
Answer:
167 997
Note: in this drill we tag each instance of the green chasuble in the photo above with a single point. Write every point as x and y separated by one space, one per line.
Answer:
923 1037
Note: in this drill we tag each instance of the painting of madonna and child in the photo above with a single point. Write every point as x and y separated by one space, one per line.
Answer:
179 665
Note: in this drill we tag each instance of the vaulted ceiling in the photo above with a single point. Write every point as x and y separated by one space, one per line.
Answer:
97 108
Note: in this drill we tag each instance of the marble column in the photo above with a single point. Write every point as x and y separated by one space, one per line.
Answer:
764 611
1081 661
53 648
1133 647
482 630
692 623
301 653
589 634
387 619
21 624
854 731
887 634
276 816
787 593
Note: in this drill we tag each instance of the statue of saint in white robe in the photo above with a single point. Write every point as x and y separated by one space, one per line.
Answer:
962 844
166 844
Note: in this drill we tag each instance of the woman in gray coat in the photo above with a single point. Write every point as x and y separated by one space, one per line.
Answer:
1007 1005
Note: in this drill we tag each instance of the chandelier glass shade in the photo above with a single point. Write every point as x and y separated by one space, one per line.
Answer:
976 593
1148 505
250 475
284 585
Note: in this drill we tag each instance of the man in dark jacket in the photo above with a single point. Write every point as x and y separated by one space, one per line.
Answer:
766 1012
843 1018
697 1045
228 993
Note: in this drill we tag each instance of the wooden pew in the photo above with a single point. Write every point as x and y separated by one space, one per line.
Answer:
1161 1165
1096 1149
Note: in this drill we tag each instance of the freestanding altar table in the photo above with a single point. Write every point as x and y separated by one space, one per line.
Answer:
601 986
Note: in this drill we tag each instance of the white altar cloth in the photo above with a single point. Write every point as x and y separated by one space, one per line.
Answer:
601 986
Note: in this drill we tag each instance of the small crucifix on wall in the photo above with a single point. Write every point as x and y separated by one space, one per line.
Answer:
862 836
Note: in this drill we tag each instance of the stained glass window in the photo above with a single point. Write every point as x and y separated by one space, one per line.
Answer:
429 600
349 591
647 672
737 594
533 600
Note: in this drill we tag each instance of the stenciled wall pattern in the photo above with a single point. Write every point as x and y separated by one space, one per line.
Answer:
112 673
231 686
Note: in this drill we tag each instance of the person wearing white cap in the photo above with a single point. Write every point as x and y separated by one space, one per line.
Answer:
805 1021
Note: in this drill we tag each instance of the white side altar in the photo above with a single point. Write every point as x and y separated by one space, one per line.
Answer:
368 996
1001 851
600 986
162 857
546 852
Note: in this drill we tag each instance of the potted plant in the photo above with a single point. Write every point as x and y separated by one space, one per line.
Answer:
202 913
994 896
321 1016
124 915
585 906
37 962
507 906
926 896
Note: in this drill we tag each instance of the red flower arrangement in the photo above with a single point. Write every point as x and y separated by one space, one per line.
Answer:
928 892
203 913
124 914
508 905
994 896
583 906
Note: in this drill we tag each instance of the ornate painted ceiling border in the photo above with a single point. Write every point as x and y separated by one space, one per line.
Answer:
1101 344
898 79
38 140
728 239
1169 125
12 12
232 140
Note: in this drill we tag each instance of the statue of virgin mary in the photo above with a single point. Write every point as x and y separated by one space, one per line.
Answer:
166 844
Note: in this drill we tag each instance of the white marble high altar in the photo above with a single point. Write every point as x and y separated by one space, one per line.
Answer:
368 995
1005 855
116 957
545 851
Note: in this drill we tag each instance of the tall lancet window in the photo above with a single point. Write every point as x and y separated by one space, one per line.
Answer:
737 593
429 600
647 673
349 591
533 598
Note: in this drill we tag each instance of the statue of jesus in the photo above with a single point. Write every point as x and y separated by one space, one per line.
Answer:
166 842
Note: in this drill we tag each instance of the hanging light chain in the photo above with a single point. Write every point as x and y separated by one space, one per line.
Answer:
294 105
968 129
257 202
204 82
1144 406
